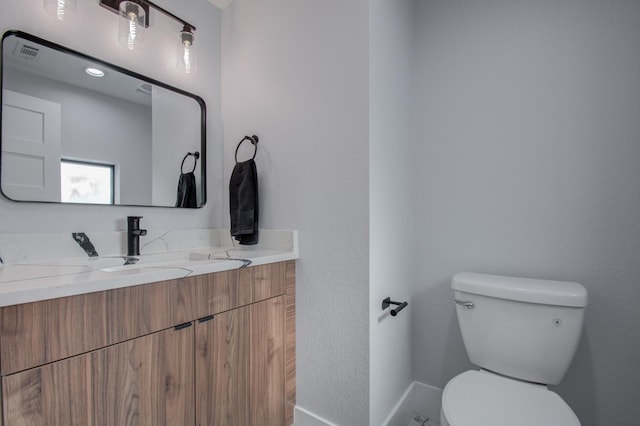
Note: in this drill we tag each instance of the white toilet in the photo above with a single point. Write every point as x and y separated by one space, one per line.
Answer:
522 333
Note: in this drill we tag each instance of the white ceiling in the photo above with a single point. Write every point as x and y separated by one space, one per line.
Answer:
70 69
221 3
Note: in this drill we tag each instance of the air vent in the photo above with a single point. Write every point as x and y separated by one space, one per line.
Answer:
144 88
27 51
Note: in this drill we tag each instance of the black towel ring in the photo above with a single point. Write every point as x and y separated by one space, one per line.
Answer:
254 141
196 155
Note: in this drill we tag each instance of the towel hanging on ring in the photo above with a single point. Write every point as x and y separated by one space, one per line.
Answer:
187 184
243 197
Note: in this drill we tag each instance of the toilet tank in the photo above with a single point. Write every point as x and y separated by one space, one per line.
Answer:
523 328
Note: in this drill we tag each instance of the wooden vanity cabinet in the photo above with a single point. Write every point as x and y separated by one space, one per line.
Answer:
207 350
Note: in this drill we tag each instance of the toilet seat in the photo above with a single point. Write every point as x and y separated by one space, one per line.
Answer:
482 398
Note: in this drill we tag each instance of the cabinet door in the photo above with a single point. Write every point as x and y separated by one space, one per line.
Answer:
145 381
240 366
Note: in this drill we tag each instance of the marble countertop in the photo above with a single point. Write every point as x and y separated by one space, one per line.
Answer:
32 280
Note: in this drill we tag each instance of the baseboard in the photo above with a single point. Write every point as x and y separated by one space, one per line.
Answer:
419 398
302 417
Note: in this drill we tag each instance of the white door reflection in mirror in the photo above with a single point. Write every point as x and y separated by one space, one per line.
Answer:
30 147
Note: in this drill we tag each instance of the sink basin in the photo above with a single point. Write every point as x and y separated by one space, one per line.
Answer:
178 259
148 261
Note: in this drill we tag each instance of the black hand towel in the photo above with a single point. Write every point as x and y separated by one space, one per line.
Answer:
187 191
243 202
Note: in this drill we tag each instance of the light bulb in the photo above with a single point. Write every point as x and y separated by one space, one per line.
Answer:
186 51
132 25
187 57
60 9
131 39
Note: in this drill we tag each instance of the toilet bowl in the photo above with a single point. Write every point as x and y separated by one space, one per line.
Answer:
523 333
476 398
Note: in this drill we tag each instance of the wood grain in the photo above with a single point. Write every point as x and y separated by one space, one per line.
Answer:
206 295
221 370
260 282
266 363
138 310
146 381
23 336
240 366
33 334
83 316
290 341
52 395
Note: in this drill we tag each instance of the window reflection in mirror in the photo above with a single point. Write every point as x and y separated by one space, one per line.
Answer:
58 104
86 182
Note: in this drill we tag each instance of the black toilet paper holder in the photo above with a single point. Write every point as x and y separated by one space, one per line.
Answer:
388 302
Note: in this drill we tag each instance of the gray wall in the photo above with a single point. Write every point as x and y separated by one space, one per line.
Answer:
295 73
392 184
527 113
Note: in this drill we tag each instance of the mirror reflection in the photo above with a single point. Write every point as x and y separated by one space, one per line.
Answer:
78 130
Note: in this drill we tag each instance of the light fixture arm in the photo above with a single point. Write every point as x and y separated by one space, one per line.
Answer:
113 5
169 14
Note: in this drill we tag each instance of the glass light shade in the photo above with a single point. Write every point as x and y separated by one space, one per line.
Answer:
61 9
131 31
187 52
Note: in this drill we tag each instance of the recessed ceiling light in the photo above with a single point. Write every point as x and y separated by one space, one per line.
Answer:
94 72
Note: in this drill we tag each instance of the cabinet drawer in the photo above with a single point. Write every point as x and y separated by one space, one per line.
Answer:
37 333
204 295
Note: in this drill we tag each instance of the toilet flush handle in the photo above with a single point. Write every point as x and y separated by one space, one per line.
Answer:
466 304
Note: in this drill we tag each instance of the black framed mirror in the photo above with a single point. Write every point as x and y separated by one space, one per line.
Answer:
76 129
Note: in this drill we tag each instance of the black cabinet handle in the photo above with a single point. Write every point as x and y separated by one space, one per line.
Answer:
182 326
205 319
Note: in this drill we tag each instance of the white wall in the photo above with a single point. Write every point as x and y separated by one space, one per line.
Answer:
527 113
392 191
123 139
296 74
94 32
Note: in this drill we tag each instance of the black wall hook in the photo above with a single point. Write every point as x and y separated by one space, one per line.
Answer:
387 302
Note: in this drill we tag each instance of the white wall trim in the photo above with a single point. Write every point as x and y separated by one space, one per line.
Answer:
403 400
302 417
418 398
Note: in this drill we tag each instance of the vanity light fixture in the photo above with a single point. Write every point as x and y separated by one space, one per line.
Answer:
61 9
94 72
186 51
135 17
132 24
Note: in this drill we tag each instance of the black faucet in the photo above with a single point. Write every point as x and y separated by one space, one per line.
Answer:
133 235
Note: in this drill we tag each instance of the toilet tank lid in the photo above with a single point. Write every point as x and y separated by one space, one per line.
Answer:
559 293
